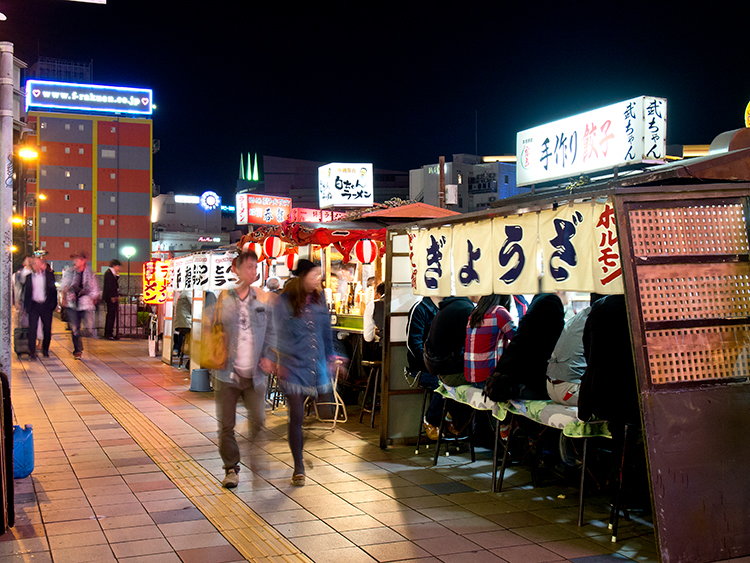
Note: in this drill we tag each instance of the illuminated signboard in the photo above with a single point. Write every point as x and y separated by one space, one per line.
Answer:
88 97
210 200
187 199
156 281
345 185
629 132
259 209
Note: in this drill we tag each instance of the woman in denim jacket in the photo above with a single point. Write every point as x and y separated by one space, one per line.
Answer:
245 314
305 351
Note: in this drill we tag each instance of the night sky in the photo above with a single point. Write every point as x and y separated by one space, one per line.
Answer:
396 84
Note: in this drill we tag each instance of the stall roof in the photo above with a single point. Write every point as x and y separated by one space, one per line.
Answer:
410 212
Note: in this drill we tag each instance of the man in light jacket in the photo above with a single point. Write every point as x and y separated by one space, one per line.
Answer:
245 313
80 294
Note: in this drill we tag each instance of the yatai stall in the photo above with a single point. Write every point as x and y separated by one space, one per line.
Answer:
674 239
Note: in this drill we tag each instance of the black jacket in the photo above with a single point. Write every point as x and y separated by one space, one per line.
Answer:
111 287
417 329
51 291
444 349
521 372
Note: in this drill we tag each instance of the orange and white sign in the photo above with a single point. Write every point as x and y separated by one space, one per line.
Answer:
260 209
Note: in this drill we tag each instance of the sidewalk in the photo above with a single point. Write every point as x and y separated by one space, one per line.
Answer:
127 469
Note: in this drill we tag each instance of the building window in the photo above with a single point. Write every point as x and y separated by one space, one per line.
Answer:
67 126
171 208
44 171
66 244
460 178
81 186
43 220
43 125
44 244
506 178
80 210
112 176
101 221
67 173
44 148
80 151
108 153
101 245
67 220
67 150
111 244
80 127
112 129
112 199
112 222
67 197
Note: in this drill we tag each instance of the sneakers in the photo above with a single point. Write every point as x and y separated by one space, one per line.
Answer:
231 479
77 355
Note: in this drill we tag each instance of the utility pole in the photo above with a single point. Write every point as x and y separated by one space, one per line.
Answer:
6 200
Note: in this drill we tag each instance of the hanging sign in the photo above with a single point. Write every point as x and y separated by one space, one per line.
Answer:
472 259
566 236
606 251
222 276
259 209
433 259
156 281
345 185
515 254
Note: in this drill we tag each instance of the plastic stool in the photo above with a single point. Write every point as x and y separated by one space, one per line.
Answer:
200 381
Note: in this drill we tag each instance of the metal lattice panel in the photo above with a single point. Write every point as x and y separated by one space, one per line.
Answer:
710 229
696 354
695 291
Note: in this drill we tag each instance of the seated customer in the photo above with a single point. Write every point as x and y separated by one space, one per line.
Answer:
488 333
521 372
444 349
567 364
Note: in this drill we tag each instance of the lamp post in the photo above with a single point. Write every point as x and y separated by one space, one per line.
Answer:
128 252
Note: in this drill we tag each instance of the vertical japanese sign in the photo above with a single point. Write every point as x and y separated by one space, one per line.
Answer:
606 251
514 252
624 133
222 276
200 273
566 236
156 281
472 259
432 250
179 266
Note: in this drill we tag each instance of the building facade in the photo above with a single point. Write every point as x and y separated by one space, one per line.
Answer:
93 187
478 183
182 225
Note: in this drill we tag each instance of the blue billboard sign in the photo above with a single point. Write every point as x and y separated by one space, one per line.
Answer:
43 94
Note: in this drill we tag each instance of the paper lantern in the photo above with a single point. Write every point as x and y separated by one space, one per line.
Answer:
366 251
255 247
273 247
291 261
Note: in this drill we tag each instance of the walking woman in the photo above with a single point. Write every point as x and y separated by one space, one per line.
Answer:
305 351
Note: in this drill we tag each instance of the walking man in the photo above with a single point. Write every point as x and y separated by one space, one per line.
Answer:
80 294
111 297
40 300
245 313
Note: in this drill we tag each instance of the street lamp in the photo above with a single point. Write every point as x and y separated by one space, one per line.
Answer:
128 252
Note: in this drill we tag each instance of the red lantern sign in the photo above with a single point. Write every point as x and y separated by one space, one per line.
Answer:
273 247
291 261
255 247
155 281
366 251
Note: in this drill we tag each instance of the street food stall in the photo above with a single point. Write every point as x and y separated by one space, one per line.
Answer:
674 240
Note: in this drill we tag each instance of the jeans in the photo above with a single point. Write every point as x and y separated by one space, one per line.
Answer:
435 408
74 317
226 395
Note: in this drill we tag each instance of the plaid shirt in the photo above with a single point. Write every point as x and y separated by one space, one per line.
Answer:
484 344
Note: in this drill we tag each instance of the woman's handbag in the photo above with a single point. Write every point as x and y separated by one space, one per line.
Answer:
214 344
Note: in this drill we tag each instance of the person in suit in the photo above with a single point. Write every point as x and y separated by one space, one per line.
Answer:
40 300
111 297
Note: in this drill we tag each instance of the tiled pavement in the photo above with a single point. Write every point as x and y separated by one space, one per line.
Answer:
127 470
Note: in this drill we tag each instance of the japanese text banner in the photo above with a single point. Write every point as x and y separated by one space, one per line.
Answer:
566 236
606 251
432 250
514 254
472 259
222 276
